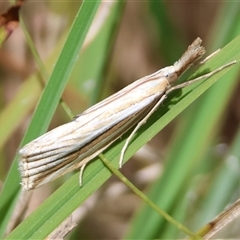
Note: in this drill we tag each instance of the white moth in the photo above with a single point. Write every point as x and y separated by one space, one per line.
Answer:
74 144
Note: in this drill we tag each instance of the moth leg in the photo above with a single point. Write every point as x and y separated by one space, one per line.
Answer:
81 174
137 127
207 75
210 56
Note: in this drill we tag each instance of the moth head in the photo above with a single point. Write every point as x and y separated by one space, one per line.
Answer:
170 74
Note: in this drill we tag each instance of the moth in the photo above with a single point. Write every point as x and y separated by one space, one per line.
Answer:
74 144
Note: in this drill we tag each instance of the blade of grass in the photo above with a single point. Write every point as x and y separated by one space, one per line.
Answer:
222 189
18 108
49 101
193 142
168 33
151 204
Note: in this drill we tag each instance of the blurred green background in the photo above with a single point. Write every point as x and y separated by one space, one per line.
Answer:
190 169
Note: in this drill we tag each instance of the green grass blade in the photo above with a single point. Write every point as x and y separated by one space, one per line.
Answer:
194 142
49 99
151 204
